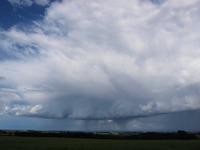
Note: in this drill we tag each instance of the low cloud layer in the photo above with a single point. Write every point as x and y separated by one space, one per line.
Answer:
105 61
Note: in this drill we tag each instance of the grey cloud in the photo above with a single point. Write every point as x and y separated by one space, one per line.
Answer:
2 78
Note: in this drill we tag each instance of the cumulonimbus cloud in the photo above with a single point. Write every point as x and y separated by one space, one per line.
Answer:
104 60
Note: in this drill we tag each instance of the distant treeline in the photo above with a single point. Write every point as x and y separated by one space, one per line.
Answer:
105 135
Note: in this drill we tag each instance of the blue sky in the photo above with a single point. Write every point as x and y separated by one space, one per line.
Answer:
11 15
100 65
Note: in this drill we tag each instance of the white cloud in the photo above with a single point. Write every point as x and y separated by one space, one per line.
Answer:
22 110
106 59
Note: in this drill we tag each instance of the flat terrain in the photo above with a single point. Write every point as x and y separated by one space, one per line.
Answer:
48 143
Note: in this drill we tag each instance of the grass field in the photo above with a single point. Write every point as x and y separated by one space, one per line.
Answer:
36 143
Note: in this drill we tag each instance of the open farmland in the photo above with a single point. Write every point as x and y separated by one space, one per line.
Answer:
49 143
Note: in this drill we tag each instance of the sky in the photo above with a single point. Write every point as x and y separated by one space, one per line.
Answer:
93 65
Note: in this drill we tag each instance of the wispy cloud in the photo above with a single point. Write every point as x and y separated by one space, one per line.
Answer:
29 2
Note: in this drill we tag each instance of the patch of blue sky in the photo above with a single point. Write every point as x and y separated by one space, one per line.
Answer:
19 122
5 86
26 49
19 51
5 56
13 15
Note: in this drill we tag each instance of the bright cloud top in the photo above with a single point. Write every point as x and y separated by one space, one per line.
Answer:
101 60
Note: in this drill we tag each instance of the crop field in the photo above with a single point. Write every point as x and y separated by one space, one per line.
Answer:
48 143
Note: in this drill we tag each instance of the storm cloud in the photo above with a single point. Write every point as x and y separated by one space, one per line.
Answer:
105 64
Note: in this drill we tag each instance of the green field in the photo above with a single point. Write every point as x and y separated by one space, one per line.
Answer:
36 143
